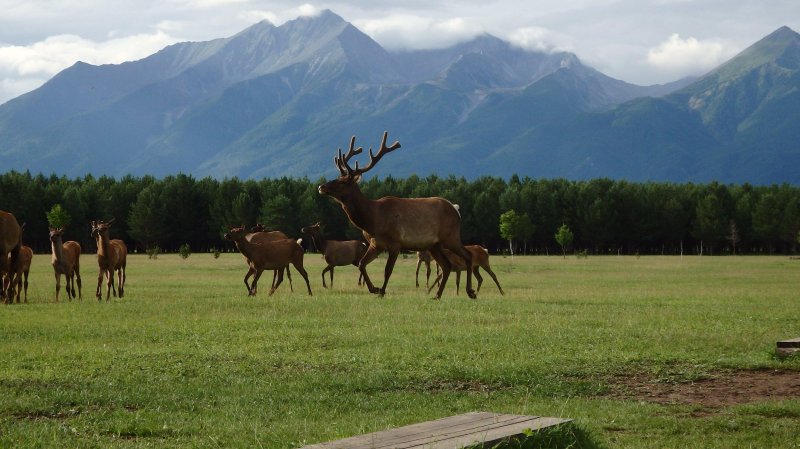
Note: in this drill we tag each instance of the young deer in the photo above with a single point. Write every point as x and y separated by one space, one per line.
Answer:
19 270
274 255
394 224
480 259
66 260
111 257
424 257
336 253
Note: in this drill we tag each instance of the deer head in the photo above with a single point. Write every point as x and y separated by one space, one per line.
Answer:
100 226
343 186
55 233
236 233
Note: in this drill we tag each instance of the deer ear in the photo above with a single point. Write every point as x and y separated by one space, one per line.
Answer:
357 178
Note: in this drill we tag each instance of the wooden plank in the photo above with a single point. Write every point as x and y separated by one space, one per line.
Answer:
453 432
792 343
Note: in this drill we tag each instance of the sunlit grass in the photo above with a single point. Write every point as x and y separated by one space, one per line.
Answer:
186 359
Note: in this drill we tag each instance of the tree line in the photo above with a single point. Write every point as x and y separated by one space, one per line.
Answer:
606 216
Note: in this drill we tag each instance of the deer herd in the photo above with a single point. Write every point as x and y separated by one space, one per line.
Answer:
429 226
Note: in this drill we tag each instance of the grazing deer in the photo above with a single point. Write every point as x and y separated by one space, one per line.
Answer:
394 224
66 260
19 270
424 257
111 257
336 253
10 244
480 259
259 234
274 255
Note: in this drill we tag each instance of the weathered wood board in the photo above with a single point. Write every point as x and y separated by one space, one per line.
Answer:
786 348
454 432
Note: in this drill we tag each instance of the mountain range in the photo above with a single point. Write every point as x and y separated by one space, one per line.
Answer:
276 101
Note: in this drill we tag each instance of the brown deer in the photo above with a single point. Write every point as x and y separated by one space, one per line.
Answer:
424 257
19 271
66 260
480 259
10 244
274 255
259 234
336 253
394 224
111 257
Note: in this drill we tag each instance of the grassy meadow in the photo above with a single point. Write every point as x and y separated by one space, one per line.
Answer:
186 359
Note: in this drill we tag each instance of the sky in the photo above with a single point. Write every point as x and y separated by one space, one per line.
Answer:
639 41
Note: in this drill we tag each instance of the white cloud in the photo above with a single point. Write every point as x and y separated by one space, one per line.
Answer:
687 55
23 68
539 39
403 31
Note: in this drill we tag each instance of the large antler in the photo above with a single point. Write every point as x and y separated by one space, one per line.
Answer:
344 168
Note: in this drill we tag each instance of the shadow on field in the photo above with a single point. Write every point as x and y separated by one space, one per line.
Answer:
565 436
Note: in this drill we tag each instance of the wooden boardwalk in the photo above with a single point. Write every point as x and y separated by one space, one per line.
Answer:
455 432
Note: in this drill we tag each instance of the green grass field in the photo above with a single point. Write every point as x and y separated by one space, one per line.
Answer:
186 359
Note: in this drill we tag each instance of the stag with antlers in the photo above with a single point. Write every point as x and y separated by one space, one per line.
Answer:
394 224
111 257
66 260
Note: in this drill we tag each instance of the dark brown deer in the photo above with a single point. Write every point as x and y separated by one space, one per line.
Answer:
335 252
259 234
480 259
394 224
112 257
10 244
20 271
66 260
274 255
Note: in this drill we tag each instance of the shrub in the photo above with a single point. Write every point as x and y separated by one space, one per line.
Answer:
185 251
153 252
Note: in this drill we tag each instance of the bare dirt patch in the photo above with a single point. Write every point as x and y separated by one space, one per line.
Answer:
720 389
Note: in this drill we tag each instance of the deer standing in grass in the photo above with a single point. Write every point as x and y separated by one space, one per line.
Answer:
111 257
336 253
424 257
394 224
18 277
259 234
274 255
66 260
480 259
10 244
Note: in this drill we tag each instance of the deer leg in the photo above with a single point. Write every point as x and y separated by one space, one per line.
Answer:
324 270
69 282
467 256
78 278
419 262
332 268
58 284
110 284
435 282
387 272
99 291
121 281
254 283
458 281
26 286
289 277
444 263
298 265
491 273
368 257
277 281
476 272
250 272
428 273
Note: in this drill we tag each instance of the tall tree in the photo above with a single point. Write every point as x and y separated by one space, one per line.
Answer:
564 237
